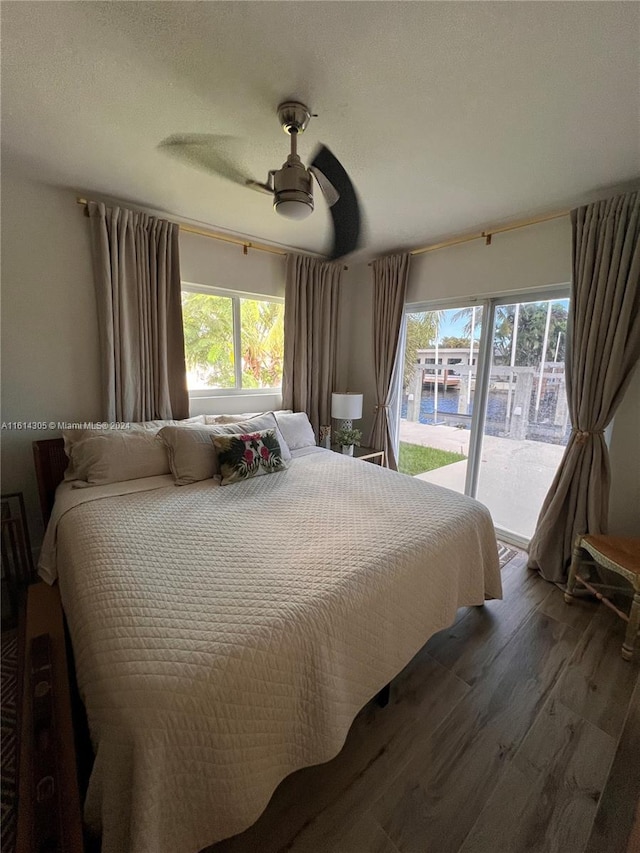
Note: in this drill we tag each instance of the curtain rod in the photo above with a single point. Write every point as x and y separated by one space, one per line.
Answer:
227 238
488 233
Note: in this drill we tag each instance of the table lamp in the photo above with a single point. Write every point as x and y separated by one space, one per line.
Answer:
346 408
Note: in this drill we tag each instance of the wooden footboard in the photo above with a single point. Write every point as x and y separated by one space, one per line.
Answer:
49 815
50 463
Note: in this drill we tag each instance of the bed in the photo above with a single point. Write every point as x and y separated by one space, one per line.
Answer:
227 636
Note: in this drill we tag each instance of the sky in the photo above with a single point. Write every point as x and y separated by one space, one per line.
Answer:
452 328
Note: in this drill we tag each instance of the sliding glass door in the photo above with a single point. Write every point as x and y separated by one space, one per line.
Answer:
526 425
438 392
483 404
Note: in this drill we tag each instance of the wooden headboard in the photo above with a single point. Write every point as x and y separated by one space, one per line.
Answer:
51 463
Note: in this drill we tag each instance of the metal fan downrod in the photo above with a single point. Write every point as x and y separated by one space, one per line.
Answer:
292 184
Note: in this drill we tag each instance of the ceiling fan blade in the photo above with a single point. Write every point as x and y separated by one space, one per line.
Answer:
330 193
345 212
256 185
208 152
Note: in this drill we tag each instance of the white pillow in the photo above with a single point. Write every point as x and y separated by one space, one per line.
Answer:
297 430
118 455
73 436
192 454
236 419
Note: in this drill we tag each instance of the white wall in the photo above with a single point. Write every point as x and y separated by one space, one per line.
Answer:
527 259
50 368
219 264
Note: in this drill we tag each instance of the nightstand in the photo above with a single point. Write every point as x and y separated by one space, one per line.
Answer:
368 453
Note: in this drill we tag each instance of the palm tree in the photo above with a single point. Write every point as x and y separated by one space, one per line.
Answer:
208 338
531 323
262 343
468 315
421 333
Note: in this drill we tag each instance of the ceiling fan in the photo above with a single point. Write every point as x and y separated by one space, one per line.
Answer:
291 185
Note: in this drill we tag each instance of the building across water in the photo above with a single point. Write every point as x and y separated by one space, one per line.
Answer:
446 358
523 402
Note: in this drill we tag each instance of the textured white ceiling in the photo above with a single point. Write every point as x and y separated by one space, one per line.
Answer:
448 116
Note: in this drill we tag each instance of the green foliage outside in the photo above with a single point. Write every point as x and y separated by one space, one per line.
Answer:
262 343
451 342
422 331
208 341
531 324
415 459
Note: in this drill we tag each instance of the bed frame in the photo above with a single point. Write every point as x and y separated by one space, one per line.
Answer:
51 463
49 813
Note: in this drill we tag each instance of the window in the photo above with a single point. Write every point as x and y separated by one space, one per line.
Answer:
232 341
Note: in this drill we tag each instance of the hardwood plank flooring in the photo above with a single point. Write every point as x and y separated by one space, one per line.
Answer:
514 731
577 615
551 786
598 683
358 833
470 647
616 808
378 746
447 784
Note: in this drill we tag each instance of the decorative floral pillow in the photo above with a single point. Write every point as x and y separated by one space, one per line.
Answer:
248 455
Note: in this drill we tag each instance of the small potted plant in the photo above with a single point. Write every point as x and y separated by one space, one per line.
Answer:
346 437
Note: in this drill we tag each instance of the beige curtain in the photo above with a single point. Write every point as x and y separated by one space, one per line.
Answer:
137 278
310 336
603 345
390 276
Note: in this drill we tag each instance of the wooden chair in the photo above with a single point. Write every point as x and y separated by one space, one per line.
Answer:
621 556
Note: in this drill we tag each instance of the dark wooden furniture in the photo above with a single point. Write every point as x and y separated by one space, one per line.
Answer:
44 613
49 816
51 463
17 559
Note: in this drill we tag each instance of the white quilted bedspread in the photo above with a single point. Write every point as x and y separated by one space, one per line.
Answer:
226 636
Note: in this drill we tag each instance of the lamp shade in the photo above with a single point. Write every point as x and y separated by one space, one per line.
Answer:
346 407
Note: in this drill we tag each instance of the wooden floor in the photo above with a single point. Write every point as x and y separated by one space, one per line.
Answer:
518 729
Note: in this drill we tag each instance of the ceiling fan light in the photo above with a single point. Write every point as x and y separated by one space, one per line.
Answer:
292 209
293 203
